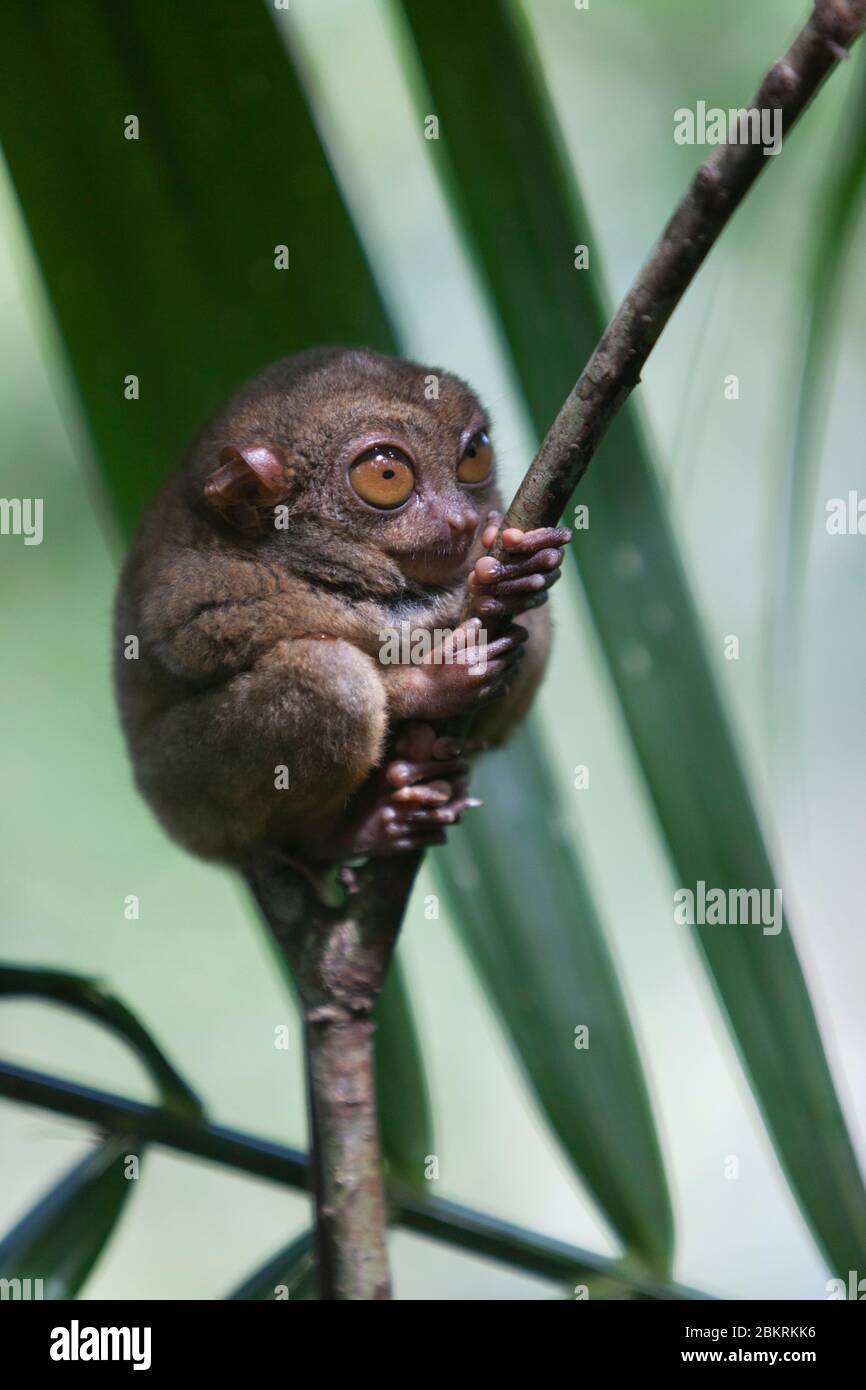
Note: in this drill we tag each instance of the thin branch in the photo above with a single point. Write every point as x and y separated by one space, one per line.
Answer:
718 188
357 942
154 1125
339 957
447 1222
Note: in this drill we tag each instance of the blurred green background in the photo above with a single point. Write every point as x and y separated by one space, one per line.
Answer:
195 966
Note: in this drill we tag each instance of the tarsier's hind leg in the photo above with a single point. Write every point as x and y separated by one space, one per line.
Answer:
271 756
410 802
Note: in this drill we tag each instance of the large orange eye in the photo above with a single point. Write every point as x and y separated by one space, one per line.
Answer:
477 461
383 477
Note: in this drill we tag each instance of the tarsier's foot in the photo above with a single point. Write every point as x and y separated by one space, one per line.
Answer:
415 798
526 571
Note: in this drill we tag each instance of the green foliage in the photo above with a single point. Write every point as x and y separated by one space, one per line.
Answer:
530 925
193 207
62 1237
291 1270
189 180
162 264
162 270
500 150
844 187
401 1088
91 998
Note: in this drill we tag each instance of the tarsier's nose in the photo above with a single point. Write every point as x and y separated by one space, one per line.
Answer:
463 520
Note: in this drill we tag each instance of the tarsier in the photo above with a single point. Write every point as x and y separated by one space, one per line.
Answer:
336 496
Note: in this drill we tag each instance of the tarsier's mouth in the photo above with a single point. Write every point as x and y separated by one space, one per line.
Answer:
453 551
437 560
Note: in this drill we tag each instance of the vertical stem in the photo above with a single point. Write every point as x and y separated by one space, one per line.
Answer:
350 1201
338 957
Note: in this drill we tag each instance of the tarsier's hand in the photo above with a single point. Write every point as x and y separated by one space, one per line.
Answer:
521 579
410 803
462 677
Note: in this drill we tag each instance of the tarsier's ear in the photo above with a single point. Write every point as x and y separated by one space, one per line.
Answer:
248 484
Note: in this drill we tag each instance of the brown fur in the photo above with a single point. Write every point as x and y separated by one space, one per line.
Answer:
259 650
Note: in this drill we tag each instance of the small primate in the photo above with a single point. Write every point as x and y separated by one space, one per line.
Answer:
335 498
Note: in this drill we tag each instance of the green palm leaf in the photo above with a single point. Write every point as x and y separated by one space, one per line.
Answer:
158 253
90 997
548 971
168 275
828 261
62 1237
291 1272
499 150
